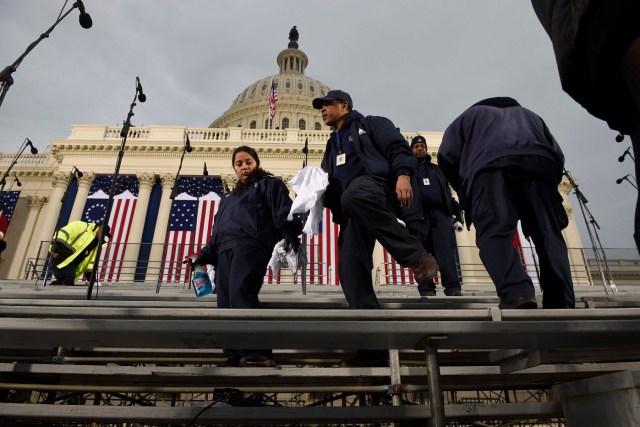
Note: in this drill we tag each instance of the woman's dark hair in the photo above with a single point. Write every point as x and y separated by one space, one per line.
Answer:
248 150
256 176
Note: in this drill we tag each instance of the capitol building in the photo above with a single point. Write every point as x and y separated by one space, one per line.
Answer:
150 235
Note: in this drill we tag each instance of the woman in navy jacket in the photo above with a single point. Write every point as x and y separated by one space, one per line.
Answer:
251 219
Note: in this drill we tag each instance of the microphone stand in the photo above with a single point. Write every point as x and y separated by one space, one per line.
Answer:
205 174
3 180
6 79
596 245
174 193
63 199
124 134
626 178
303 245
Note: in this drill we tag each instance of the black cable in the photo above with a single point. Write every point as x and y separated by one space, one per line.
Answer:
206 408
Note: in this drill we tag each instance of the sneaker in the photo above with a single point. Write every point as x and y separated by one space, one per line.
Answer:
426 267
455 292
232 362
519 303
257 360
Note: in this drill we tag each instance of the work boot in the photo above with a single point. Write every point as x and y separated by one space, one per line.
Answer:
518 303
453 292
426 267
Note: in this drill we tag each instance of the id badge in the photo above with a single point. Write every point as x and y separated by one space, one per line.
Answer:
425 181
341 159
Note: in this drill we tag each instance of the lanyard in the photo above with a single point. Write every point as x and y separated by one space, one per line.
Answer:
338 142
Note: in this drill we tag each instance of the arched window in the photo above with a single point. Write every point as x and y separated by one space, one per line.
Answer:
252 125
318 126
302 124
266 124
285 123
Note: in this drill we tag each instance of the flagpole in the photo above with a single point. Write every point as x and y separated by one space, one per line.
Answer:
174 193
273 98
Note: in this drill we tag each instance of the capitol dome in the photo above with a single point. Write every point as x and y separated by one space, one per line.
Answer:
296 91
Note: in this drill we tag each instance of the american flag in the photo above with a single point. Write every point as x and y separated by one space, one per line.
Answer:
271 278
322 253
8 200
397 274
190 224
526 254
124 203
273 98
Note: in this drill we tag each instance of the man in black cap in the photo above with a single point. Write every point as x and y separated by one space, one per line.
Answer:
436 229
506 166
74 248
370 167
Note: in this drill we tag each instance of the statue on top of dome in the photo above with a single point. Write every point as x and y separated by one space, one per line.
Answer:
293 38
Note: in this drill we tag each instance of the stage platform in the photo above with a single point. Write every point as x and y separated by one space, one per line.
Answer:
131 343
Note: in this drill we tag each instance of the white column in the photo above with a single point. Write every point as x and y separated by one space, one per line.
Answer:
160 232
35 206
378 262
84 185
579 269
47 222
145 183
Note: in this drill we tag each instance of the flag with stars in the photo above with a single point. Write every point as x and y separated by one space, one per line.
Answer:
8 201
190 224
124 203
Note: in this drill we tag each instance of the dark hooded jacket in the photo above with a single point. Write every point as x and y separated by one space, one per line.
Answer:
493 129
381 149
257 216
589 39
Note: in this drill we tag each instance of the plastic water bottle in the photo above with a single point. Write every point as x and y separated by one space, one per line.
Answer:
201 283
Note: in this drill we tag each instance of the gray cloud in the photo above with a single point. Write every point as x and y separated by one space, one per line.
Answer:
418 62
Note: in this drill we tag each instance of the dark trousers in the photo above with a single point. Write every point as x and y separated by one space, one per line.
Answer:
239 276
436 234
369 218
65 275
499 198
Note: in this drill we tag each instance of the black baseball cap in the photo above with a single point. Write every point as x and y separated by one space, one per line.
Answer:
418 139
333 95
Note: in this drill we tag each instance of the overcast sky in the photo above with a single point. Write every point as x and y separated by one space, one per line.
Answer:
418 62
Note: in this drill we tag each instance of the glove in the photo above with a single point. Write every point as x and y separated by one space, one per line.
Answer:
291 242
459 217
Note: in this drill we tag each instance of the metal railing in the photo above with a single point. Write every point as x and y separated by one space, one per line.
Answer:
114 268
